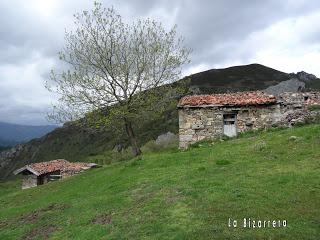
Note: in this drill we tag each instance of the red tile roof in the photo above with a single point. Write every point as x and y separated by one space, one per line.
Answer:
231 99
55 165
51 166
76 167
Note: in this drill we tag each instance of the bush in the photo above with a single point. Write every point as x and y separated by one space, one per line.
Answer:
152 146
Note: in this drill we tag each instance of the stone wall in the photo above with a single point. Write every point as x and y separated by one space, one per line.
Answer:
300 99
196 124
29 181
295 107
68 173
257 117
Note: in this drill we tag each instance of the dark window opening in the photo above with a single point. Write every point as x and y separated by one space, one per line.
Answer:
229 124
229 118
40 180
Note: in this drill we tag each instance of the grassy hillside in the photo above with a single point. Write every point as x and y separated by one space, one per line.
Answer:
181 194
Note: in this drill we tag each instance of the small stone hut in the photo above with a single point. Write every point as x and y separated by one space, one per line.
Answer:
212 116
40 173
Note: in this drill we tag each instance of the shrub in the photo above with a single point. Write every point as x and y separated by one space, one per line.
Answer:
152 146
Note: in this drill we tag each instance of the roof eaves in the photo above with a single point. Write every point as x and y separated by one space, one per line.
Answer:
20 170
226 105
16 172
33 171
201 106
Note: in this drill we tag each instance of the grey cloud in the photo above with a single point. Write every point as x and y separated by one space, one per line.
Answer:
26 115
215 30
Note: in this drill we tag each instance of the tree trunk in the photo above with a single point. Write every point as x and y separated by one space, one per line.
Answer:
133 140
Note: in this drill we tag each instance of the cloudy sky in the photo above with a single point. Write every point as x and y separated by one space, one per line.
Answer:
280 34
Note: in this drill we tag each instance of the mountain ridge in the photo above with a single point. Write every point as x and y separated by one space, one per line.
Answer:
12 134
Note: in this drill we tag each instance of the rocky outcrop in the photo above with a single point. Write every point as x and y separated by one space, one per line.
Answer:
6 157
297 83
16 157
166 139
306 77
292 85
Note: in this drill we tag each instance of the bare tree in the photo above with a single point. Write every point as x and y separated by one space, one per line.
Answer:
111 63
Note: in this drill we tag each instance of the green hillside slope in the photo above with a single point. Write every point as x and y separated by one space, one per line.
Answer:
181 194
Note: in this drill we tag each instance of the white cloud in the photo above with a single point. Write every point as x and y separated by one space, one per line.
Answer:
23 88
289 45
281 34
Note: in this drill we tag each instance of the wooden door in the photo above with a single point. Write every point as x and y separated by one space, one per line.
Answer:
229 125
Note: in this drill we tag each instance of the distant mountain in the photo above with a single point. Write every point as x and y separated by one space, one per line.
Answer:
250 78
236 79
11 134
7 143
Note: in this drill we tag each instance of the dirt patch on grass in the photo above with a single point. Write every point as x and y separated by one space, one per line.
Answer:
32 216
142 193
42 231
171 196
4 224
103 219
36 214
172 199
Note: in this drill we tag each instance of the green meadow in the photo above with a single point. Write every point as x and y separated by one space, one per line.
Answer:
175 194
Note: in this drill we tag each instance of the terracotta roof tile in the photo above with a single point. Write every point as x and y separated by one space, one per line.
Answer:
59 164
232 99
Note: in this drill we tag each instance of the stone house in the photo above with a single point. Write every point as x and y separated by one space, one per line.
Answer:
212 116
40 173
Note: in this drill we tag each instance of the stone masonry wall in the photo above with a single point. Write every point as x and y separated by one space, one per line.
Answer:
295 107
196 124
29 181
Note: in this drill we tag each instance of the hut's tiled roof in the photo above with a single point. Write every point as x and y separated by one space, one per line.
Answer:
55 165
51 166
231 99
